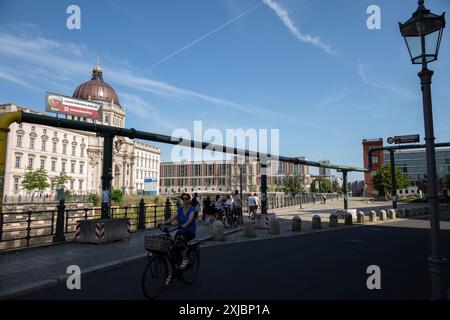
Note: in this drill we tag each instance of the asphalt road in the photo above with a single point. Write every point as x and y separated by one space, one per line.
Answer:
323 265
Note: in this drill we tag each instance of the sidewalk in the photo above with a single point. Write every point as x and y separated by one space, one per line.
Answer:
35 268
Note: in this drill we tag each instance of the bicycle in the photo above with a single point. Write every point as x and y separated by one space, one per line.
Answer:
160 255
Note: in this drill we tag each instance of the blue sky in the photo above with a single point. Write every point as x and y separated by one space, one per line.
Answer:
309 68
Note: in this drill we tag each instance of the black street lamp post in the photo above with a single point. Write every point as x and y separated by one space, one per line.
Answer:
423 33
394 180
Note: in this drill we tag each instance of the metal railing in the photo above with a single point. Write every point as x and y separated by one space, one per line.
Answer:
31 228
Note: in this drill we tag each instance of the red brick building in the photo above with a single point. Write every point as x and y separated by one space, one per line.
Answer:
377 161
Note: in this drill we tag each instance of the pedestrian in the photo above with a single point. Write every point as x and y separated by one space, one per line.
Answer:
218 208
237 208
208 210
324 198
253 203
228 211
195 203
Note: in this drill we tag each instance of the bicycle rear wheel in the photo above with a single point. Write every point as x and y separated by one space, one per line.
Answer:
190 272
154 277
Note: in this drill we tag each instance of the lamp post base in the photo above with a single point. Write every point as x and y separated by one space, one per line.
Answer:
438 267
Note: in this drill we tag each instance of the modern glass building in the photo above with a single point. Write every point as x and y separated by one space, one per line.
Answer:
413 163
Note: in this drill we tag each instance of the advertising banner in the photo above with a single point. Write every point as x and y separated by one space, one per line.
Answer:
75 107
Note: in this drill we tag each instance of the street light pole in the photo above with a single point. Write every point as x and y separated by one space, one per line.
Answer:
394 180
438 263
423 34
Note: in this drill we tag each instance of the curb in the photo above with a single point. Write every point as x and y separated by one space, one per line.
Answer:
13 293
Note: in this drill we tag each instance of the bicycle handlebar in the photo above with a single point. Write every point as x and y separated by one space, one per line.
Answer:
166 229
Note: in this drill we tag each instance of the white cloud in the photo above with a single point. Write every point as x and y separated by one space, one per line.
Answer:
405 94
284 16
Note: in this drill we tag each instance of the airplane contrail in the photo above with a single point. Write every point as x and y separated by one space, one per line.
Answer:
205 36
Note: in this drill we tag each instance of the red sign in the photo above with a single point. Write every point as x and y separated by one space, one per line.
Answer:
71 106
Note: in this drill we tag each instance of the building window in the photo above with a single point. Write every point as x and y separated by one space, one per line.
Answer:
63 166
82 152
53 165
32 139
64 148
19 141
81 168
17 161
30 163
71 184
42 163
80 184
72 167
44 145
73 150
54 147
374 159
16 184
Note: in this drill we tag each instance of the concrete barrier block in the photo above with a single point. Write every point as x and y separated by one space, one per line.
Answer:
383 215
316 222
218 231
296 224
373 216
348 219
274 227
248 230
333 220
360 217
102 230
392 214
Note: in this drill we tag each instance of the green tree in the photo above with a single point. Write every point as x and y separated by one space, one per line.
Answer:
335 187
61 180
117 195
382 180
95 199
324 185
34 181
294 184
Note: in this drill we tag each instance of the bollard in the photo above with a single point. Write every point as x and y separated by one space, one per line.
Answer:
373 216
360 217
248 231
59 234
274 226
141 223
392 214
316 223
348 219
383 215
296 224
333 220
218 231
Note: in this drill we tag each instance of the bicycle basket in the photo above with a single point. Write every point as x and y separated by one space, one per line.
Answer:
157 243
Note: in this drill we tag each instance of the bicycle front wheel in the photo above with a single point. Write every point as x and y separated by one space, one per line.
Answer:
190 272
154 277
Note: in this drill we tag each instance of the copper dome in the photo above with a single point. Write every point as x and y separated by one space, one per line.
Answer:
96 89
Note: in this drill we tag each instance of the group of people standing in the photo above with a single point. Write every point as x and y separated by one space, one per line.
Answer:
228 209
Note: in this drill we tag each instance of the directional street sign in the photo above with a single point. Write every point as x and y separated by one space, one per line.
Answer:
412 138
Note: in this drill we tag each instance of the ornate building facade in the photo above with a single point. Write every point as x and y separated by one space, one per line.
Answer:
79 153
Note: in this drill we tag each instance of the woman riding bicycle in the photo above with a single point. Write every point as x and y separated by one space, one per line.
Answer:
185 217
